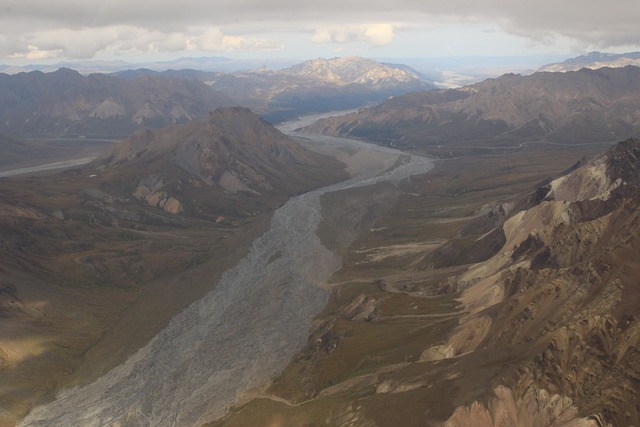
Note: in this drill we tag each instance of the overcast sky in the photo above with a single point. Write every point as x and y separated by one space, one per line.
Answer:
46 31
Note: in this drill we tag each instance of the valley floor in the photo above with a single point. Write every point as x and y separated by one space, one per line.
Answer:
372 355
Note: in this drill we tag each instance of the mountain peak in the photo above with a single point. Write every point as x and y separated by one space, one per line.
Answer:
66 71
233 150
352 69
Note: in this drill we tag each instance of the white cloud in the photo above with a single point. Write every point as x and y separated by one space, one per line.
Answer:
86 43
379 34
373 34
214 40
33 52
323 36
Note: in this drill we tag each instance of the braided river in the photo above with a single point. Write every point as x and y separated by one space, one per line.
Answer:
245 330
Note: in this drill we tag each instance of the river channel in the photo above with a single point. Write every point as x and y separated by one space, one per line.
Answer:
241 333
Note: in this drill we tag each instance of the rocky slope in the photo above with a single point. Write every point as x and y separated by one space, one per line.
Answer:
562 296
575 107
66 103
566 290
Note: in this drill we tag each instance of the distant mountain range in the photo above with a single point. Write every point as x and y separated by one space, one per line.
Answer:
594 60
313 86
208 63
570 108
66 103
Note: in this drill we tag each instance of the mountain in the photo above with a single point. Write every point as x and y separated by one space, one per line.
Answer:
594 60
97 260
355 70
561 299
234 151
510 111
319 85
67 103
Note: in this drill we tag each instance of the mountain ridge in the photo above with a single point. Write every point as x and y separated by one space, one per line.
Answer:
564 282
66 103
313 86
594 60
575 107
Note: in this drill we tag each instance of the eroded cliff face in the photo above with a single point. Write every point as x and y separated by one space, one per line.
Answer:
561 298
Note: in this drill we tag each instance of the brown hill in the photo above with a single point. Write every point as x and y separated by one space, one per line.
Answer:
234 152
67 103
576 107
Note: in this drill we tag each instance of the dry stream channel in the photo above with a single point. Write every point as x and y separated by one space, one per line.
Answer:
242 332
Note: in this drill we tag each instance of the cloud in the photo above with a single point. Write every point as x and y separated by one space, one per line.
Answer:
214 40
82 44
380 34
80 28
375 34
86 43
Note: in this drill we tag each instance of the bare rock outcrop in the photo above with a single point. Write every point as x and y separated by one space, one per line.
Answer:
562 294
535 408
